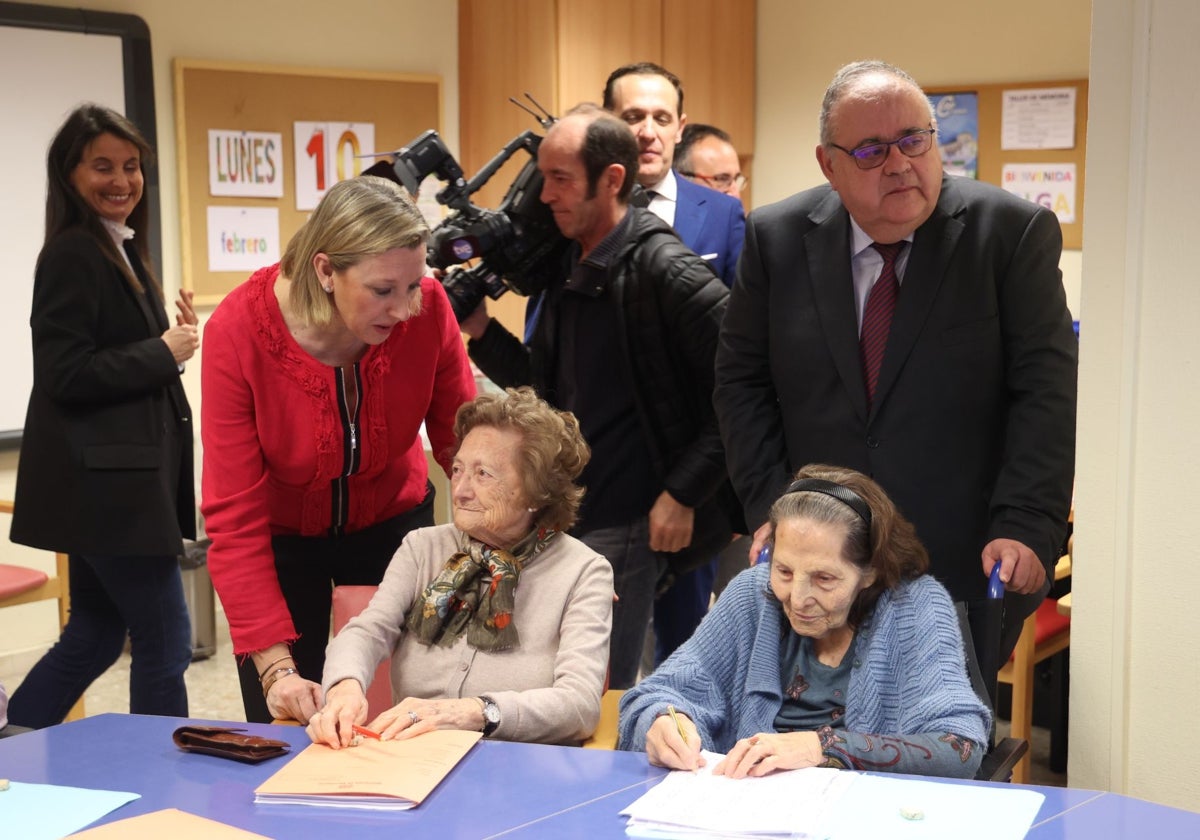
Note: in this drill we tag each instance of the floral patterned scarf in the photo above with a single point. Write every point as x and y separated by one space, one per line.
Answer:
474 594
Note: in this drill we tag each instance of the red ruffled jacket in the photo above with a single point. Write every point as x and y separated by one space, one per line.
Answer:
272 439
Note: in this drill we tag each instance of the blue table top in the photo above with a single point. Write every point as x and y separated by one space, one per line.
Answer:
498 786
499 789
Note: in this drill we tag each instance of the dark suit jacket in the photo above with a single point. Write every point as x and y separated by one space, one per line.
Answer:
106 456
972 432
710 222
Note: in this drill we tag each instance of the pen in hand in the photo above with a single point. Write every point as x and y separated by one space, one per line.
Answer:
678 725
366 733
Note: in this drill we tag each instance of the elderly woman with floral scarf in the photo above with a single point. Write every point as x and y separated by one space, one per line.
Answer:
499 622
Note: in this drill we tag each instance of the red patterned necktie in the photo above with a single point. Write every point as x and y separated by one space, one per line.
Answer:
877 316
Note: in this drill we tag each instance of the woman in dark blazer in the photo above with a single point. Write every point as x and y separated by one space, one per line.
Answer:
106 459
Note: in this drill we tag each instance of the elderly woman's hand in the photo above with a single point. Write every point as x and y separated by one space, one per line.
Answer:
767 752
413 716
345 705
666 748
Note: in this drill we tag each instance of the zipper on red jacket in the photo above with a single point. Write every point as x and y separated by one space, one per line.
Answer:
349 389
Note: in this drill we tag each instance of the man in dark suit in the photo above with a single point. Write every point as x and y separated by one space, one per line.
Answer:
960 400
649 98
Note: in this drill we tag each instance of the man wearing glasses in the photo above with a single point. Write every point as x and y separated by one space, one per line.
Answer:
912 326
706 156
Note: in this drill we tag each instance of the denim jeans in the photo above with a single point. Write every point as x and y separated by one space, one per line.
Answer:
636 570
109 597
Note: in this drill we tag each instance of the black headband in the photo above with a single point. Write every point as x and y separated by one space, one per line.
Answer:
837 491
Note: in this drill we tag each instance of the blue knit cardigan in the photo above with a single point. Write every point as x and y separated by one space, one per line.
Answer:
909 673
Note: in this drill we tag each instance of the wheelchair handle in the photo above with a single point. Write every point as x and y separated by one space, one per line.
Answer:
995 585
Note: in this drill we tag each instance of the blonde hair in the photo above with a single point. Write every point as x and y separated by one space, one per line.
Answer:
552 455
356 219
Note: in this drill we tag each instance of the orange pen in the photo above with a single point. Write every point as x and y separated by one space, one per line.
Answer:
366 733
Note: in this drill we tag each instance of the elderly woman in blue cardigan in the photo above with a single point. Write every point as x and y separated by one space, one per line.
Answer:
841 652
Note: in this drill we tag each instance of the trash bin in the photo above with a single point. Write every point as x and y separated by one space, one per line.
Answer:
201 603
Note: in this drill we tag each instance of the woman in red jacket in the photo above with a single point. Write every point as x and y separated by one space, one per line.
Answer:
317 376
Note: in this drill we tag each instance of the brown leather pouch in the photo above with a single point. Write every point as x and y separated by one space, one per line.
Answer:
229 743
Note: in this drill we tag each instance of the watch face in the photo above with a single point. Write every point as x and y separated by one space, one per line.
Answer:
492 713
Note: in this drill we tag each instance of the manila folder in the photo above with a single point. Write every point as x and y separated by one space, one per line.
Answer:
386 775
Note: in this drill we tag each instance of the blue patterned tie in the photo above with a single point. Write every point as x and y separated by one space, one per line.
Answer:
877 316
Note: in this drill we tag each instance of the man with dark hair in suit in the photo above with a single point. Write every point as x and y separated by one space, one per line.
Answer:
626 341
912 326
649 98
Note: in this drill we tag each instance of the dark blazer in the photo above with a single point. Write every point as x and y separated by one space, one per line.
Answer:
710 222
972 432
106 456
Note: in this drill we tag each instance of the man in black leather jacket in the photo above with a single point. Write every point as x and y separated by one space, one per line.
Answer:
627 343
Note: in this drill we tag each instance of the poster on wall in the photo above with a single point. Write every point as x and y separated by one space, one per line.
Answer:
245 163
1051 185
242 238
1041 118
958 132
328 152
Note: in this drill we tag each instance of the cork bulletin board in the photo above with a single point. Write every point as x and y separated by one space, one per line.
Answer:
992 157
255 98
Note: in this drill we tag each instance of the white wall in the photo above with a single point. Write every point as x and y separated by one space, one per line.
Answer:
404 36
1135 631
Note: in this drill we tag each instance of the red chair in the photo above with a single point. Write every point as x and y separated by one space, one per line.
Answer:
23 585
349 601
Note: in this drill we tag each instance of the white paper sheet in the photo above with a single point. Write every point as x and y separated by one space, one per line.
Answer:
789 804
829 804
874 806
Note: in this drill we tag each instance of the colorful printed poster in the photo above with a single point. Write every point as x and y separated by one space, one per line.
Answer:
245 163
958 132
1051 185
328 152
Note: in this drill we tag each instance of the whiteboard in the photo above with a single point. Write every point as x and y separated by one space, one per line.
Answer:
51 60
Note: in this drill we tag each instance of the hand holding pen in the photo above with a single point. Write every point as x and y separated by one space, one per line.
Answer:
338 722
674 742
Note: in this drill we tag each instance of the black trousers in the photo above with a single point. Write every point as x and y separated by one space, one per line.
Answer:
308 569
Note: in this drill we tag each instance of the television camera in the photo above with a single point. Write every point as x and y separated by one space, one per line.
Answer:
518 245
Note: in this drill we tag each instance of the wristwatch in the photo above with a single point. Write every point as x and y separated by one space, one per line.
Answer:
491 715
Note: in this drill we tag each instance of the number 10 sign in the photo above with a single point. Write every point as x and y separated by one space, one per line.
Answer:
327 152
